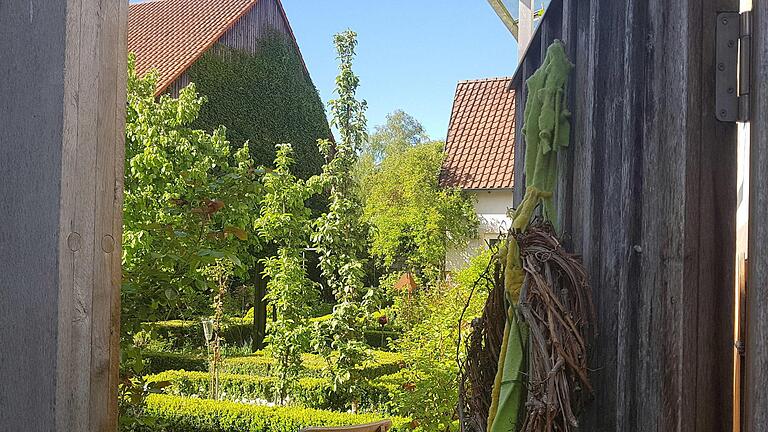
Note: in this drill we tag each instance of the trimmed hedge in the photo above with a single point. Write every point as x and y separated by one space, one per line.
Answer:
157 362
238 331
381 338
179 333
180 414
309 392
260 363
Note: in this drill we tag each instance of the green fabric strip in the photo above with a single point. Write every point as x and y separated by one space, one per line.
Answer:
547 130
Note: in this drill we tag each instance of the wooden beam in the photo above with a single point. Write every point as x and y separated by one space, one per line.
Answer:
525 25
62 113
756 410
501 10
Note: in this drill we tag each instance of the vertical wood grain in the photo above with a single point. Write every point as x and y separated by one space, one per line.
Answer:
756 410
63 109
91 212
647 197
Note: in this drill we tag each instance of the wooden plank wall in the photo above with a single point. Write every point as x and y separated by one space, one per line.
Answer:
756 410
647 196
62 113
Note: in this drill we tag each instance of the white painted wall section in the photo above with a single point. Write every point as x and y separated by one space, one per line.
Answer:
491 207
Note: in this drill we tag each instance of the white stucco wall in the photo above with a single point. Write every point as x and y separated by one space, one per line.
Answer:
491 207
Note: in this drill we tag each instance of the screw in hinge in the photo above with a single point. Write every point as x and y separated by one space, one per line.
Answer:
721 67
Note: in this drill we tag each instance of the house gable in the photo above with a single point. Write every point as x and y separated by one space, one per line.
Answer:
171 35
480 143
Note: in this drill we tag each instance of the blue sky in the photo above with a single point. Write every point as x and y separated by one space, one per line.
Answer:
411 53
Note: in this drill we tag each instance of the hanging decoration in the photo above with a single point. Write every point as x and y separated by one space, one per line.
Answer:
541 377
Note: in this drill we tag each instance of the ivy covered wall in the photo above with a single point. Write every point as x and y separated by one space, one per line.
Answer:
265 98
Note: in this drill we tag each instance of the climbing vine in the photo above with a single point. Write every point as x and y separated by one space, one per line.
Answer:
264 99
340 236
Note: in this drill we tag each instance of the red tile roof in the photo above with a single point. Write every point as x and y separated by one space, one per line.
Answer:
481 136
170 35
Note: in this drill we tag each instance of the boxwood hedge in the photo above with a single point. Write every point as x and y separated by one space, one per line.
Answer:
181 414
309 392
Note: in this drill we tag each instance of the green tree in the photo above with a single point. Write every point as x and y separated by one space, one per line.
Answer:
414 220
285 222
264 98
398 134
340 235
188 204
189 201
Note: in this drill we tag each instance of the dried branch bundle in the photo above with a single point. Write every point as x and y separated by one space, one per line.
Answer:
556 304
478 370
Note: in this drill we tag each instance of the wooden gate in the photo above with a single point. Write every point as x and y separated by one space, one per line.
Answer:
647 195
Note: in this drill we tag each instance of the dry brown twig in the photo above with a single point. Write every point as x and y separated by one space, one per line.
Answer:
556 304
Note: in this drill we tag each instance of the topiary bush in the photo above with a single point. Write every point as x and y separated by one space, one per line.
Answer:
310 392
181 333
259 363
156 362
180 414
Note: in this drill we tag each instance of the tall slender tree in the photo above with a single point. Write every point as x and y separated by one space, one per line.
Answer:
284 222
341 236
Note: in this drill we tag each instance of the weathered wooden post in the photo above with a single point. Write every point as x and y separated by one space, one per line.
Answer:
526 12
62 114
756 410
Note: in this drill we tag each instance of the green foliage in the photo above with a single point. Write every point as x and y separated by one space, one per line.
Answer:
400 133
416 221
379 363
285 222
430 349
382 339
264 99
308 392
198 415
162 361
236 332
188 202
185 334
340 236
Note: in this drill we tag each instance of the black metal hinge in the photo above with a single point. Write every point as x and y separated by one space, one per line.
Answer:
733 64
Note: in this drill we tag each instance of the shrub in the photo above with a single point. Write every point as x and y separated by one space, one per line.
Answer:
182 333
381 338
309 392
199 415
237 331
157 362
259 363
429 392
